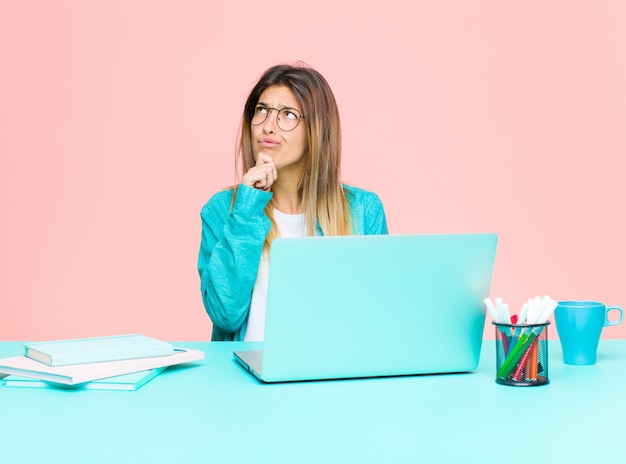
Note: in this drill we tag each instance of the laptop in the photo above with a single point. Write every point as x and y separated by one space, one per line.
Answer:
373 306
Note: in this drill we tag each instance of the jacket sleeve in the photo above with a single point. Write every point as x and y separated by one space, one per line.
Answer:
368 214
230 250
375 219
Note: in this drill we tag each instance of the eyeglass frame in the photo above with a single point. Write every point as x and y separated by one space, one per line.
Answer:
269 108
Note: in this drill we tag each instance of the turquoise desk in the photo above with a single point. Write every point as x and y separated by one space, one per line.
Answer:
215 412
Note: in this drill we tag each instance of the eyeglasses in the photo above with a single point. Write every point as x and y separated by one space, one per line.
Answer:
287 118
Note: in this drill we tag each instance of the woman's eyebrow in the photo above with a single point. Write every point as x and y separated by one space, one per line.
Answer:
283 107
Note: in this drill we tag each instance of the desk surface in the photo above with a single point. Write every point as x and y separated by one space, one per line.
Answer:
213 411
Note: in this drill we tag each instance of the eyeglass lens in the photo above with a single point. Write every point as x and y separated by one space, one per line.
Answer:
287 118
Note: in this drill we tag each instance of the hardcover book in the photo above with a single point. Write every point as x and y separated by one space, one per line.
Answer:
90 350
126 382
78 373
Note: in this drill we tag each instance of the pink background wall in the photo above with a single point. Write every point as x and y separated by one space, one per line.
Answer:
118 121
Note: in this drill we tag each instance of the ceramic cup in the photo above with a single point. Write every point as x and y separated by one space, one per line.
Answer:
579 325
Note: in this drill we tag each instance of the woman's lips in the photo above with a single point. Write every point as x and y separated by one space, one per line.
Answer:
268 143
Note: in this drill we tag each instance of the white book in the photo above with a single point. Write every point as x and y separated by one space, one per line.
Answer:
125 382
96 349
78 373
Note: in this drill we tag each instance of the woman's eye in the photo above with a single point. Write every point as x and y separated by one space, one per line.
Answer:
260 110
290 114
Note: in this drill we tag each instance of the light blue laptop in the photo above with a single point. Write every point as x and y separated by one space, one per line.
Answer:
376 305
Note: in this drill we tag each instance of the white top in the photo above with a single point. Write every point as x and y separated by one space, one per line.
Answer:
289 225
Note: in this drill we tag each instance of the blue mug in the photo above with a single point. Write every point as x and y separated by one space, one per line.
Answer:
579 325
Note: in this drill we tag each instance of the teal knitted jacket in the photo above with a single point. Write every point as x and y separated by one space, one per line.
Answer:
231 246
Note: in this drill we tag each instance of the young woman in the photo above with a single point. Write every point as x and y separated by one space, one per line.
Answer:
290 150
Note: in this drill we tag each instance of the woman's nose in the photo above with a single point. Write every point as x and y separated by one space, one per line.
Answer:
269 126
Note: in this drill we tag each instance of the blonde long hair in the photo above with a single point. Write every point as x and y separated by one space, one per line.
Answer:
324 200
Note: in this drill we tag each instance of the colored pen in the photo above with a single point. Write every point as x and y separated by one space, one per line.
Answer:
502 309
491 309
517 374
534 361
548 310
523 314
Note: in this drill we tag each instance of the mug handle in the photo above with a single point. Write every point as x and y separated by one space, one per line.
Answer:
619 320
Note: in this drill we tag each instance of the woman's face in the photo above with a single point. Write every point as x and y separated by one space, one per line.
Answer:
287 148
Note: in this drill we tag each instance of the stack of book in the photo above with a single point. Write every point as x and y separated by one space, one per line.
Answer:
121 362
